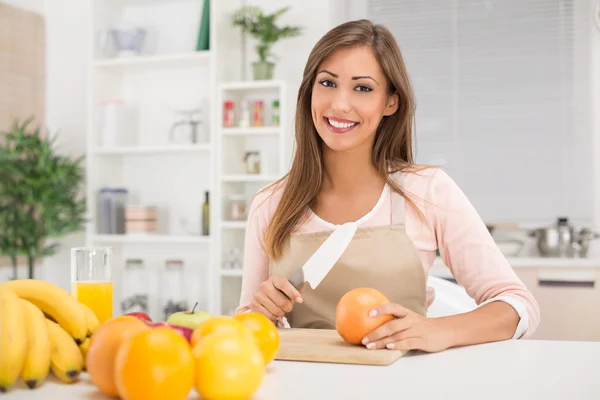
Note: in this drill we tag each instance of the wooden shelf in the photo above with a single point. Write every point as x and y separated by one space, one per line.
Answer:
140 238
250 178
185 60
133 150
231 272
252 131
233 224
253 85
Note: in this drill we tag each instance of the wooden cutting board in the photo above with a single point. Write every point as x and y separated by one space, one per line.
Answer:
325 345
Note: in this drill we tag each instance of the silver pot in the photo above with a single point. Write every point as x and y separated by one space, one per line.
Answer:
563 240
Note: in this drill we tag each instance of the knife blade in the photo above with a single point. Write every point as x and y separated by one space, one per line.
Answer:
322 261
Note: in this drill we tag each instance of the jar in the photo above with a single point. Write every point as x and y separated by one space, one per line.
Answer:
258 113
244 121
252 162
134 287
228 114
237 208
275 113
172 288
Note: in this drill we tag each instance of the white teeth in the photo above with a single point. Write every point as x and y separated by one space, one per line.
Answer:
341 124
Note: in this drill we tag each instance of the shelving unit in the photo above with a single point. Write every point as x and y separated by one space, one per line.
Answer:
173 173
273 142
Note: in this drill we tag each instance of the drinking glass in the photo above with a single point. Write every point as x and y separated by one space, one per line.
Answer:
91 279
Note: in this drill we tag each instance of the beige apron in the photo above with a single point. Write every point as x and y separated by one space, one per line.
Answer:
379 257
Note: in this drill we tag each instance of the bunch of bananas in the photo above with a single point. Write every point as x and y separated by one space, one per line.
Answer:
42 328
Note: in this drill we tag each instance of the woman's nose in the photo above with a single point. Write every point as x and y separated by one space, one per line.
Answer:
341 101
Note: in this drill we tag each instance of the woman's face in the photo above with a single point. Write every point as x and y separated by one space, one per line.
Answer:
349 99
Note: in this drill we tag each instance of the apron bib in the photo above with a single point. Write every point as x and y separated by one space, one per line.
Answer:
379 257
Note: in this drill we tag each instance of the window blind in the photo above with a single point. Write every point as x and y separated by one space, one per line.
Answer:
503 101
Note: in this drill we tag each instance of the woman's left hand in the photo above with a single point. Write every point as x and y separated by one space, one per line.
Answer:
407 331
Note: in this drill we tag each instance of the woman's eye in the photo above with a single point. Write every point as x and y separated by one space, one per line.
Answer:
326 82
363 88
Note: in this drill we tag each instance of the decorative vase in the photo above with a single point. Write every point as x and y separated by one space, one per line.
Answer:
262 70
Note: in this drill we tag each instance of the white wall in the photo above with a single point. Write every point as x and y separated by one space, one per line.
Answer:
31 5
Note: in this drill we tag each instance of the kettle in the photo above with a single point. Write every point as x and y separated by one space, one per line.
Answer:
563 240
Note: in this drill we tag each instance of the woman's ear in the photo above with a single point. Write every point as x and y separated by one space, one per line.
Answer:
392 104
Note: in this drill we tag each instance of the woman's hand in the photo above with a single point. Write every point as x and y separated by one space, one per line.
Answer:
275 297
407 331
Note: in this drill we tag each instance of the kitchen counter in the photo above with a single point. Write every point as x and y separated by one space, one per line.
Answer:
523 369
543 262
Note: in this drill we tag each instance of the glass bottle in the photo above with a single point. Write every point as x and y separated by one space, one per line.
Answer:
172 284
206 215
134 287
275 113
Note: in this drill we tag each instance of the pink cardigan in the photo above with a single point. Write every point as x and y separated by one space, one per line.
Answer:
451 224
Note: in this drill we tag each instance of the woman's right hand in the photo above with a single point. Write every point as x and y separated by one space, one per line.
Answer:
275 297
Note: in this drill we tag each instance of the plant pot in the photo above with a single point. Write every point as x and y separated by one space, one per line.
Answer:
262 70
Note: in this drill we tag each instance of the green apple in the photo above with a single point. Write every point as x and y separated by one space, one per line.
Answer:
190 319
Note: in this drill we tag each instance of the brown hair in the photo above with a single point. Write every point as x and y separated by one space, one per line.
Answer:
392 148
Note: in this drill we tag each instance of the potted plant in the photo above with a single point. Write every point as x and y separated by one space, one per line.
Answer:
262 26
40 195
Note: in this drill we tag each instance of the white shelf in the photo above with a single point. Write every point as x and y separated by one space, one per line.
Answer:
186 60
233 224
133 150
252 131
253 85
250 178
150 238
231 272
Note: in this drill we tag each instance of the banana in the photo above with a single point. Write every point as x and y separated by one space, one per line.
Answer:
13 339
66 360
37 360
92 320
84 347
55 302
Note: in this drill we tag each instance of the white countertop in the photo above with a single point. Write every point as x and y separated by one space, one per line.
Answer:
543 262
512 369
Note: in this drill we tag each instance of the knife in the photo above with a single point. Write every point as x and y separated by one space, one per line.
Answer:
322 261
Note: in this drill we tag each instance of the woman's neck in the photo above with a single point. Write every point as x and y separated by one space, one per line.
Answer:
346 172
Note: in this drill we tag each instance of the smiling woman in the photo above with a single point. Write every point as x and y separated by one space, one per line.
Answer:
354 165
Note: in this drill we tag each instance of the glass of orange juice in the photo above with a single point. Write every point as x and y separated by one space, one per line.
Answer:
91 279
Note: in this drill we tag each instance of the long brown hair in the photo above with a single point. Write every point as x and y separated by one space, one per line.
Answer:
392 148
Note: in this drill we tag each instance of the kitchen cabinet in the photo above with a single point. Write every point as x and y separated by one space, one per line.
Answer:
569 300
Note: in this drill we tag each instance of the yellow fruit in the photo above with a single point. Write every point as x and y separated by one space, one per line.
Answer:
39 348
229 366
265 332
91 319
84 347
55 302
66 359
220 324
13 338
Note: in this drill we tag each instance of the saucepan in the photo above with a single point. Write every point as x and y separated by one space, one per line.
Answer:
563 239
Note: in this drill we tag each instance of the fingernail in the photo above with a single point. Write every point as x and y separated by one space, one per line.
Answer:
298 299
371 346
373 313
365 340
390 345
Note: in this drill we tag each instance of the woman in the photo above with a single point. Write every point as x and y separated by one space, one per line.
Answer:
354 163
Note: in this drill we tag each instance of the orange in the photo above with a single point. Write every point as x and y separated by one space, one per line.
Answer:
352 320
265 332
228 367
219 324
102 350
155 365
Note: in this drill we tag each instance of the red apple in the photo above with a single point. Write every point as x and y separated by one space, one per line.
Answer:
141 315
182 330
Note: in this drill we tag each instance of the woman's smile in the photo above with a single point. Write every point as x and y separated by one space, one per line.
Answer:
337 125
